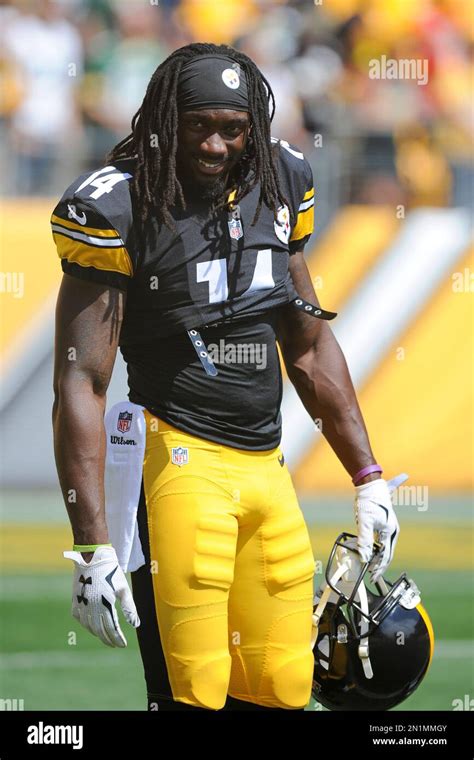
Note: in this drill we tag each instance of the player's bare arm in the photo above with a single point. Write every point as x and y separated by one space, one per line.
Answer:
88 320
317 368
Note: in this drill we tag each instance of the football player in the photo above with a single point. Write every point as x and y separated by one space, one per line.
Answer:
186 251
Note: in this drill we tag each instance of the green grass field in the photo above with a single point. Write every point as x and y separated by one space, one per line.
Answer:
42 667
52 663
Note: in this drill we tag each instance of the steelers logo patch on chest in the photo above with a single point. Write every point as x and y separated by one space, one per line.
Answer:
282 224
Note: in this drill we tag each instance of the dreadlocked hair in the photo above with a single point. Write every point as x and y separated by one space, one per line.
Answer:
153 140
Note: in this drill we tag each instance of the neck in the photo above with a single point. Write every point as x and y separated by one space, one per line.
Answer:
207 194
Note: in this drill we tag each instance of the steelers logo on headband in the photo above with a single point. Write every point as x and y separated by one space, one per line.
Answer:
231 78
212 81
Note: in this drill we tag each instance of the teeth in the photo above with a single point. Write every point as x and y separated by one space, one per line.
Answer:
210 166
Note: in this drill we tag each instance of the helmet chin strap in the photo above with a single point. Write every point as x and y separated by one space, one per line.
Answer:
363 650
324 600
361 596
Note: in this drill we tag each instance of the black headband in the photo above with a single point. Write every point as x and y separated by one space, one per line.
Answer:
212 81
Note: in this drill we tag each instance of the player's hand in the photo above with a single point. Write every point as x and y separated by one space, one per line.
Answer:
96 586
374 513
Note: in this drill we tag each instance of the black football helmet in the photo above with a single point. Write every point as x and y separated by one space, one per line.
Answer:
371 650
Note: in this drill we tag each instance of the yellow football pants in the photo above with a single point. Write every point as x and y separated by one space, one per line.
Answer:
232 570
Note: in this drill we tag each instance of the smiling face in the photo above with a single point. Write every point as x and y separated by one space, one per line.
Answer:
210 144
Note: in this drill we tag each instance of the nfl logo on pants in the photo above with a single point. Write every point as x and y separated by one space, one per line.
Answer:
179 455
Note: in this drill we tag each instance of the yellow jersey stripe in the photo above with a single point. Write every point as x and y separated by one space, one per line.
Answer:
304 224
81 228
106 259
308 194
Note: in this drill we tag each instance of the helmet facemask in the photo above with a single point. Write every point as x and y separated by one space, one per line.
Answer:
353 626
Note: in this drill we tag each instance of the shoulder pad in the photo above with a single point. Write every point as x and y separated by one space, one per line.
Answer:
92 226
107 192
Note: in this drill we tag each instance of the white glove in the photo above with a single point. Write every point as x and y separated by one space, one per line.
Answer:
374 511
95 587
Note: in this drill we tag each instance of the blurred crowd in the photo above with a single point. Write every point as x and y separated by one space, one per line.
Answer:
73 73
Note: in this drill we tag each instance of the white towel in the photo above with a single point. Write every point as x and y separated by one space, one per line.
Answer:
126 433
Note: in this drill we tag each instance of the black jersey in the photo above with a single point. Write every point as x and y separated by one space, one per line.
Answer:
213 271
239 407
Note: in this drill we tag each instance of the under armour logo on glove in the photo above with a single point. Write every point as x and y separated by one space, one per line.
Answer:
107 583
81 597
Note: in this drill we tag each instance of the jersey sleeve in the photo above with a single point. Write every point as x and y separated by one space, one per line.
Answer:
92 229
304 227
297 179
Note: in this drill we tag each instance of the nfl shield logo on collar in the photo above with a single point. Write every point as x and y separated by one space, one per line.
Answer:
124 421
235 229
179 455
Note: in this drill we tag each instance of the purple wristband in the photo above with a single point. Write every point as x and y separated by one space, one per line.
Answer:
366 471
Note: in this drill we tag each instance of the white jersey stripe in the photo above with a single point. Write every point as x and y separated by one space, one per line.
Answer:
102 242
306 204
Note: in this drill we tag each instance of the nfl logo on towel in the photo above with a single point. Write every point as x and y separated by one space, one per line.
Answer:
179 456
124 421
